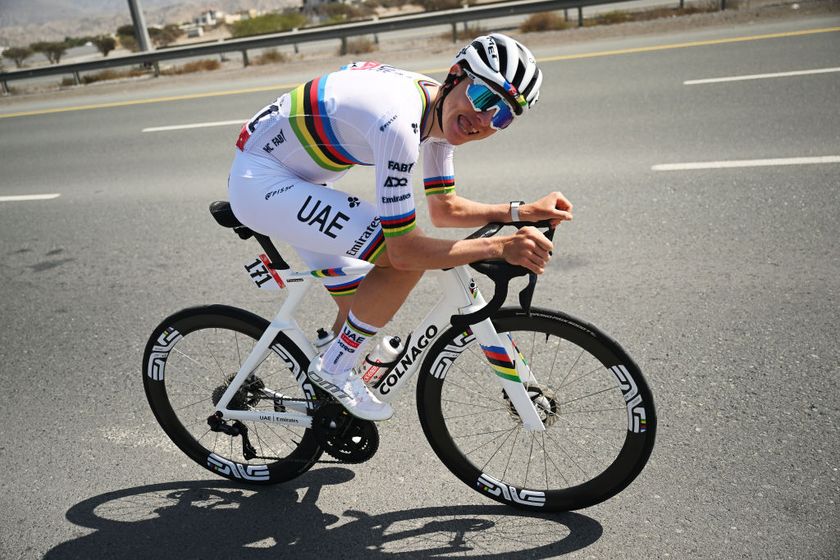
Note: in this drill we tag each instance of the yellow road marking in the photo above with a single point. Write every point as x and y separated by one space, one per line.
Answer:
428 71
279 87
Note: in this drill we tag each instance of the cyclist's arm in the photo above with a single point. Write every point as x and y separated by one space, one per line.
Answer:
451 210
415 251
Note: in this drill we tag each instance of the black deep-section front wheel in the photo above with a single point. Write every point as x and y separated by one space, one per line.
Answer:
188 363
597 409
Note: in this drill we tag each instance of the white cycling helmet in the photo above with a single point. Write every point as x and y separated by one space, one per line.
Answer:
506 66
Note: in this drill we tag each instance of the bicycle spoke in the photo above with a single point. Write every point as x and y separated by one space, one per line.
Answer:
590 395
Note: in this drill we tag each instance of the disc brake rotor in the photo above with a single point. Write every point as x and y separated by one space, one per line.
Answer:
545 401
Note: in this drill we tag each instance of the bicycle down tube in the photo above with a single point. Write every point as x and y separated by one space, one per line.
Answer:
460 295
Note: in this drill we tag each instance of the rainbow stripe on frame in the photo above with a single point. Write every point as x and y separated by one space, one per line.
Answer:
311 124
501 362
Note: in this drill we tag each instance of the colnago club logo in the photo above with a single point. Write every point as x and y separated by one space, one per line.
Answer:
387 383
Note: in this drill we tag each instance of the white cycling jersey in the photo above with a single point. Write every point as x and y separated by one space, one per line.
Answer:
292 151
365 114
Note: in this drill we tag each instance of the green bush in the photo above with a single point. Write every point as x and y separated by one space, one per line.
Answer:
269 23
52 50
104 43
18 55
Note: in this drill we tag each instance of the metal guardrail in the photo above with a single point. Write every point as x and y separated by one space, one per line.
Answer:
342 32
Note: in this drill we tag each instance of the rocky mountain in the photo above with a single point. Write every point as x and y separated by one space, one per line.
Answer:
25 21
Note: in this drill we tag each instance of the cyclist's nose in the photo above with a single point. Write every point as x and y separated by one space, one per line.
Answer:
484 117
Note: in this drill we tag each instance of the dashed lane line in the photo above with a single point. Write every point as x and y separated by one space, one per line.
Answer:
745 163
25 197
761 76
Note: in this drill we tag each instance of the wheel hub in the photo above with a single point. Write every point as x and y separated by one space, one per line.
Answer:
545 401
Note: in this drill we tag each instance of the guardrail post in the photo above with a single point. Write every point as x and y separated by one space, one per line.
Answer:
343 50
566 14
156 66
76 79
580 16
454 32
722 5
245 58
682 4
297 50
5 87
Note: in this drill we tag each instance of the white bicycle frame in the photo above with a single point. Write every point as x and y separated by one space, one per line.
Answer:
460 296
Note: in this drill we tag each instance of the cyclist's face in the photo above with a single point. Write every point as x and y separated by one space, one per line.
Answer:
461 122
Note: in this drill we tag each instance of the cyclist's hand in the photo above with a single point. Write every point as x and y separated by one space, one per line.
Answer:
528 247
553 206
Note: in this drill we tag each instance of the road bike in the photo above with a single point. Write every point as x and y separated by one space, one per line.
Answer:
528 406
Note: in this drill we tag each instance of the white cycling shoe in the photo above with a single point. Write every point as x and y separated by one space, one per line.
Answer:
351 392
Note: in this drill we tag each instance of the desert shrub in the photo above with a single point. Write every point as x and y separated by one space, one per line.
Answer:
203 65
271 56
269 23
361 45
18 55
544 21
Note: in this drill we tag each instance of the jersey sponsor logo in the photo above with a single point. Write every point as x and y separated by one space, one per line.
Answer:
276 141
387 123
392 199
396 181
414 127
327 220
402 167
360 242
278 191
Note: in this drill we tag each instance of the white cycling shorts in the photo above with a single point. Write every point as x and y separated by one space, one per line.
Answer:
328 228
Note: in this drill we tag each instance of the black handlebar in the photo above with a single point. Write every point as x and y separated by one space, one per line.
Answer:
501 273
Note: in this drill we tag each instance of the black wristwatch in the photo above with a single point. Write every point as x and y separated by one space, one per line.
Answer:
514 209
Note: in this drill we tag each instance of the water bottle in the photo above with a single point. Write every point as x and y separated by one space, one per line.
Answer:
381 360
323 339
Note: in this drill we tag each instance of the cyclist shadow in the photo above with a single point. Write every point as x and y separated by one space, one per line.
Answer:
203 519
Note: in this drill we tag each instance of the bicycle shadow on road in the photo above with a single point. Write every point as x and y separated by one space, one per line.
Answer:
203 519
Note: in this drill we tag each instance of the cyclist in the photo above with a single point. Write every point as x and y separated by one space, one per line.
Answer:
368 113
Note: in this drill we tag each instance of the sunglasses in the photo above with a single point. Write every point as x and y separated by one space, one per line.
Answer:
483 98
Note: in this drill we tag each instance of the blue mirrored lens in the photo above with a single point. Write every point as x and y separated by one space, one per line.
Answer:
482 98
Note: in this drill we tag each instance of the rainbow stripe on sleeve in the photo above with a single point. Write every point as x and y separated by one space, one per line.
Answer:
313 128
439 185
394 226
501 362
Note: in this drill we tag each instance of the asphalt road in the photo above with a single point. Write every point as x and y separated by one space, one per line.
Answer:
723 283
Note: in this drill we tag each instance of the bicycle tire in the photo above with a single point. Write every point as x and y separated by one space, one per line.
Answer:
188 362
464 414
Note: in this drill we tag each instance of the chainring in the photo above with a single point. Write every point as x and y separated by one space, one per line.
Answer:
343 436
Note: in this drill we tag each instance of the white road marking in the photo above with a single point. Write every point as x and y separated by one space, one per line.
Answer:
24 197
196 125
745 163
761 76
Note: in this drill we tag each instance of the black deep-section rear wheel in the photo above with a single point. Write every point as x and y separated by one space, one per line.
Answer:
189 361
596 406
